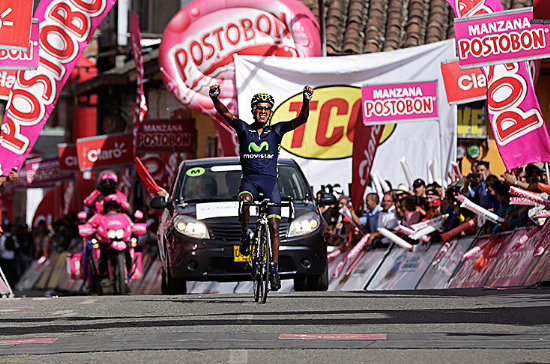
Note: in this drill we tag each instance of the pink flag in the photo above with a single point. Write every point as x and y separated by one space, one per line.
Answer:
514 110
66 27
140 109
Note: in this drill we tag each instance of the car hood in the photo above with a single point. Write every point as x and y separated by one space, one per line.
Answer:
227 211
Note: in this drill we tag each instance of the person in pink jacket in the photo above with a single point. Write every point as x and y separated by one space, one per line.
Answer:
106 186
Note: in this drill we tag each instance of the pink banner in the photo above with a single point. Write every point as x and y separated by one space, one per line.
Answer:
473 271
45 171
198 45
166 136
140 108
22 60
514 261
499 38
513 107
415 101
66 27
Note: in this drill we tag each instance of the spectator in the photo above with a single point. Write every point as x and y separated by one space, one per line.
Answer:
351 235
476 189
373 210
513 216
419 188
337 191
412 216
452 209
493 204
386 219
431 196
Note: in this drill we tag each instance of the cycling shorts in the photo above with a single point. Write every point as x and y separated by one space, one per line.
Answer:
255 184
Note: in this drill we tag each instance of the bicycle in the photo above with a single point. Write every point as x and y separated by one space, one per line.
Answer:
260 257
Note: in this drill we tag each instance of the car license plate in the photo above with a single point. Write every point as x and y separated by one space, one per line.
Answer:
237 256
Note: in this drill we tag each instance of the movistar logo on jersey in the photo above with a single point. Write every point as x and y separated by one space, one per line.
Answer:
253 146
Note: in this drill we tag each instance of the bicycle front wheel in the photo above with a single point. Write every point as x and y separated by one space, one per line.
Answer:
264 244
256 276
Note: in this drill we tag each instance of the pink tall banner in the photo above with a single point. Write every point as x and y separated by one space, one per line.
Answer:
66 27
140 109
514 110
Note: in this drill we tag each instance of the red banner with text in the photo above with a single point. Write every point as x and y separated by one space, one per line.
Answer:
104 151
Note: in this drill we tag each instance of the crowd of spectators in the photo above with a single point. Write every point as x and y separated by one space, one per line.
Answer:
404 207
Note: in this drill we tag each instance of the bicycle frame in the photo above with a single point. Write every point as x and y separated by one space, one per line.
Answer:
261 249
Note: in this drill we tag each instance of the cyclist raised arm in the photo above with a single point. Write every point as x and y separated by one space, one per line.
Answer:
220 108
259 145
304 112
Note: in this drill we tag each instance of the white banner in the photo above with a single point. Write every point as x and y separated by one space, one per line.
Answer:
323 148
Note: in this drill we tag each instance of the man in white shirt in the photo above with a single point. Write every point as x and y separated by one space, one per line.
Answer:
387 219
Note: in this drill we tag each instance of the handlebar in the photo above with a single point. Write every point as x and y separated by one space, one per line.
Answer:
266 203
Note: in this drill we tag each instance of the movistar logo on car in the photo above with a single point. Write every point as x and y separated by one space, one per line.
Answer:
254 147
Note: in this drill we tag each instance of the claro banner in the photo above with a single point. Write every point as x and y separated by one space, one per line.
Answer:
68 159
66 27
463 86
104 151
501 37
198 45
22 60
15 24
513 107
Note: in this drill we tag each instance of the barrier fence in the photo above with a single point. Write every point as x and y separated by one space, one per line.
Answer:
510 259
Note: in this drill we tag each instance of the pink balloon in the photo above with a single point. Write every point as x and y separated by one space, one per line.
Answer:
198 45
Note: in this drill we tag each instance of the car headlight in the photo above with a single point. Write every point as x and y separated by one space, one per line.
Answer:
111 234
191 227
120 233
304 224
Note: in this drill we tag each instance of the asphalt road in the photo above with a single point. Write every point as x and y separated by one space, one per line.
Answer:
454 326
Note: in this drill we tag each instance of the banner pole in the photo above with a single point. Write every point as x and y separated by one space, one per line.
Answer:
547 172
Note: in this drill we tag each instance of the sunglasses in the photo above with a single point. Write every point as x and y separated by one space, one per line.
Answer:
261 108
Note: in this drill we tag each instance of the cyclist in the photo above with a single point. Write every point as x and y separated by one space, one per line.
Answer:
259 145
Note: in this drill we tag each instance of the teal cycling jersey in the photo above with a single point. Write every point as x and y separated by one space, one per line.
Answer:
259 153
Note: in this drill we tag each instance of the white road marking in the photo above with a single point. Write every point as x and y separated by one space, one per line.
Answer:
89 301
65 313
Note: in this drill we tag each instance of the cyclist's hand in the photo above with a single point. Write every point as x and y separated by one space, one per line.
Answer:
214 91
308 93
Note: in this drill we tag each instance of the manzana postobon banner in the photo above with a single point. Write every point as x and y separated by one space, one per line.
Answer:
198 45
513 107
501 37
66 27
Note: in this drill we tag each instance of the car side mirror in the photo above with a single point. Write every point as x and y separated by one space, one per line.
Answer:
326 199
158 203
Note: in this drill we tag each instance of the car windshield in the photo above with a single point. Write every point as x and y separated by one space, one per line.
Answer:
221 183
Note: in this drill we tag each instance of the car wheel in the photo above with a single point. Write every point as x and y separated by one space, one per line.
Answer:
300 283
318 282
171 285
